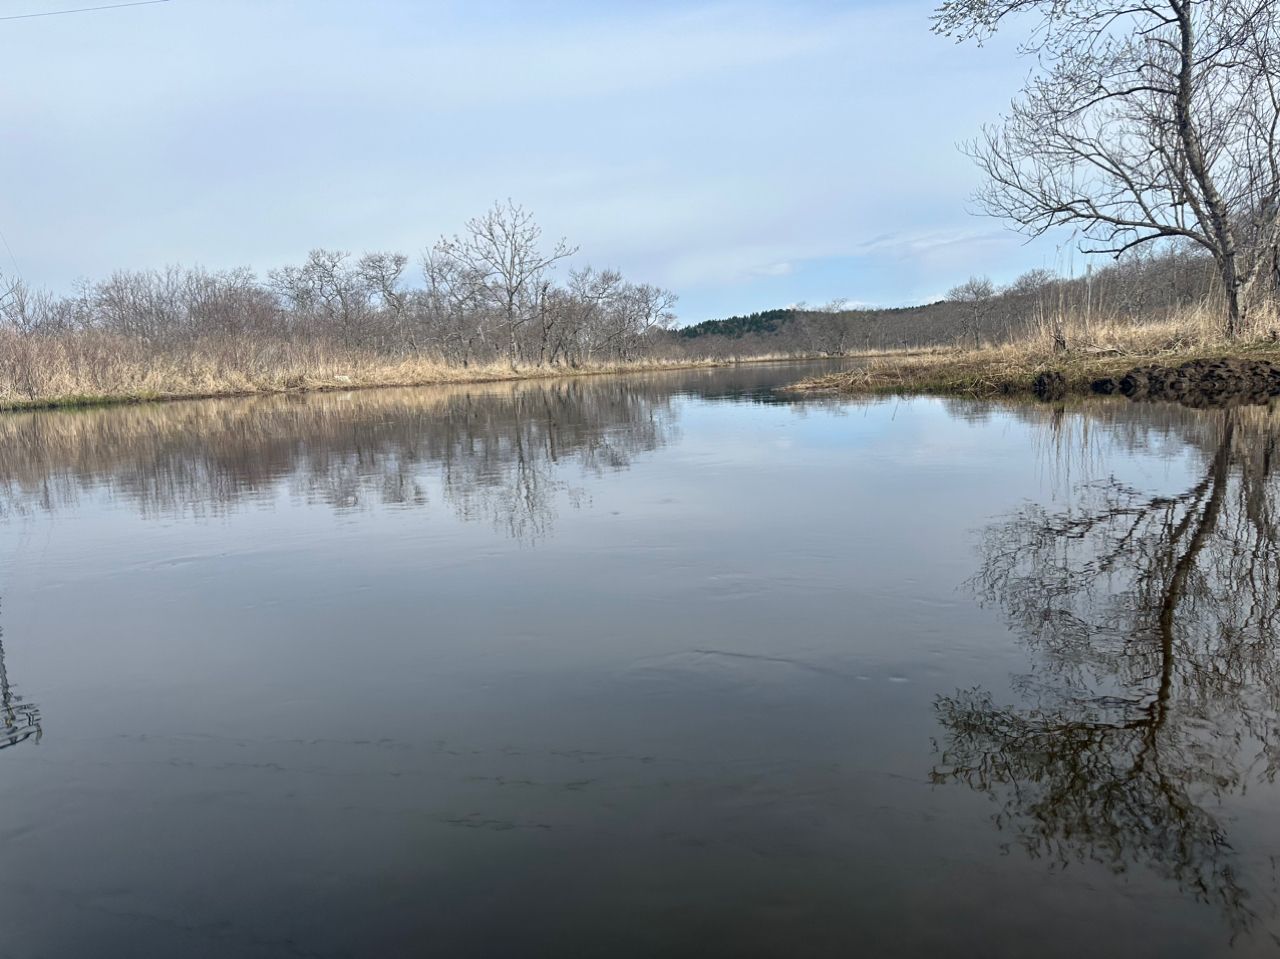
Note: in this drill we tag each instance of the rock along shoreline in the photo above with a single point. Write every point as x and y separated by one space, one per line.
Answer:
1203 384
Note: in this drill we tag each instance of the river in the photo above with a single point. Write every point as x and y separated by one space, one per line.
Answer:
649 665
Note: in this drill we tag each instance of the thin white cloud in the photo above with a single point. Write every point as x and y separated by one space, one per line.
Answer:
707 148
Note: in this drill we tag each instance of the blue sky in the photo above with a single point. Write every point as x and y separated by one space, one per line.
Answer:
745 155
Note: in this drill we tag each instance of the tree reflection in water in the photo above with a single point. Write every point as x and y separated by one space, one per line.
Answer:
19 720
503 452
1155 692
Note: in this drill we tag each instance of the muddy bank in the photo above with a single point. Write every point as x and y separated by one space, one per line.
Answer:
1191 376
1204 383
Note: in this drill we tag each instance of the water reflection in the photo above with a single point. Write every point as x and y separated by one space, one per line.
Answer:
500 452
19 720
505 452
1155 690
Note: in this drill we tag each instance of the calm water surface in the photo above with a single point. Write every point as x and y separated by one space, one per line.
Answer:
657 665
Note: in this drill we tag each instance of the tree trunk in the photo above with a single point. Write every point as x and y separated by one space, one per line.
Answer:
1231 289
1216 218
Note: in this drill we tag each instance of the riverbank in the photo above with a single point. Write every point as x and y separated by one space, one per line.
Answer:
1082 355
26 383
992 373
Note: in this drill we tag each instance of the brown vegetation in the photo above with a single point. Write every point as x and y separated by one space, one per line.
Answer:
1080 349
337 322
86 368
489 307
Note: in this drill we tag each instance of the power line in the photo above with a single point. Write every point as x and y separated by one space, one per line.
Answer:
59 13
11 259
110 6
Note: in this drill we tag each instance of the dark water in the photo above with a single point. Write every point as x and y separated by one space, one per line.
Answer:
639 666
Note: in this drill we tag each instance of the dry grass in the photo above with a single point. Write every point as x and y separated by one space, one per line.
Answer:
87 369
1082 352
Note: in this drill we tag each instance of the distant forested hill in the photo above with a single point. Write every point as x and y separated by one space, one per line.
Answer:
1139 288
736 327
830 331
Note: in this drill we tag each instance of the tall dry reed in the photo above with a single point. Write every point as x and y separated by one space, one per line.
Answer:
93 365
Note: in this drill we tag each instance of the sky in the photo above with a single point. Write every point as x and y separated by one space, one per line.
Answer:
745 155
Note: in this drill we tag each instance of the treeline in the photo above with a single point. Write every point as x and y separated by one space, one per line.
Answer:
1145 286
491 294
496 299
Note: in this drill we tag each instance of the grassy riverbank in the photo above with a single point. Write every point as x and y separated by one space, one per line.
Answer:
1081 352
97 370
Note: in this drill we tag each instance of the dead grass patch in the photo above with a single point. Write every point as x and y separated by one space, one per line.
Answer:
87 369
1081 351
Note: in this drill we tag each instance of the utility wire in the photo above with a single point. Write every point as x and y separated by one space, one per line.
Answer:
110 6
59 13
11 259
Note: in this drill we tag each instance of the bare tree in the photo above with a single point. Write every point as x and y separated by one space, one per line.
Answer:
454 305
652 307
636 312
1148 121
827 330
502 247
975 298
228 302
18 305
591 291
382 274
329 289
